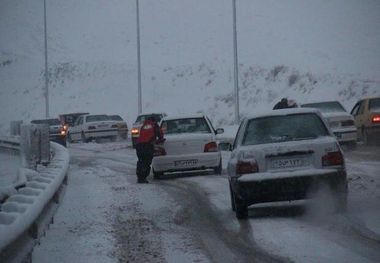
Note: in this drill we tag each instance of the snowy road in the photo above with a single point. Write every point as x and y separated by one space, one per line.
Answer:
106 217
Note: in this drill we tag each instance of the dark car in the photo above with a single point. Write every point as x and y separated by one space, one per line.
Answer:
57 132
135 131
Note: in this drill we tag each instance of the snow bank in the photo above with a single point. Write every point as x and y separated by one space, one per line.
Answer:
20 210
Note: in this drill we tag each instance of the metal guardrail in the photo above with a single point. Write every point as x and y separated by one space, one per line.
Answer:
26 213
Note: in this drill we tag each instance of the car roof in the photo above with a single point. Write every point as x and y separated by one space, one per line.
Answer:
318 102
284 112
187 116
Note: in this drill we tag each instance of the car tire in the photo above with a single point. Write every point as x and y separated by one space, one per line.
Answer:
63 143
157 175
218 169
113 138
232 199
83 138
241 208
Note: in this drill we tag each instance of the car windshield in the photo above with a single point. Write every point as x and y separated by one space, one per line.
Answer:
47 121
374 105
92 118
292 127
188 125
325 107
142 118
115 118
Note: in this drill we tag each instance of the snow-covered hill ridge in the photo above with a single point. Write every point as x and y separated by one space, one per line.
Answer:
110 88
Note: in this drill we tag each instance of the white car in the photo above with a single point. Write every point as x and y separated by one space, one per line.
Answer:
89 127
190 145
340 121
284 155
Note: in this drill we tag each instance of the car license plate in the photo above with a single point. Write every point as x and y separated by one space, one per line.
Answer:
289 163
103 125
184 163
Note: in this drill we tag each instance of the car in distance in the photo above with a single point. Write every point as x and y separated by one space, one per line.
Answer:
284 155
121 125
366 113
190 144
135 131
69 119
57 132
88 127
340 121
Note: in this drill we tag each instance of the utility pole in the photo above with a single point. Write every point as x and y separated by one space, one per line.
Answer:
46 66
236 69
138 58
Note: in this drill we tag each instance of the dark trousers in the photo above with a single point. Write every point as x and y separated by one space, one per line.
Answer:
144 153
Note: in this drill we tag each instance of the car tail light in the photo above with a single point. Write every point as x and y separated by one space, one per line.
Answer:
211 147
333 158
376 119
63 132
347 123
113 126
65 127
159 151
247 167
135 131
91 127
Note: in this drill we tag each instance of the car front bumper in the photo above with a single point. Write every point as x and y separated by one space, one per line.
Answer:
284 186
186 162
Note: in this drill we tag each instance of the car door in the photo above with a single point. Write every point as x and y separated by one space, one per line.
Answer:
75 130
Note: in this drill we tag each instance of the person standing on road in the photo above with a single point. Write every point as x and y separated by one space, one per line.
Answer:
150 134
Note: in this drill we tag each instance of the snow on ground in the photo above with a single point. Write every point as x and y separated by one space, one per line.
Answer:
106 217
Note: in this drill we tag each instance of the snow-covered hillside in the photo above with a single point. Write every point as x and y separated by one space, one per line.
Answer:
306 50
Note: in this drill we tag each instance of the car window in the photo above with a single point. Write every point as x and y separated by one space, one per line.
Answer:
238 135
330 106
374 105
284 128
115 118
142 118
188 125
355 109
93 118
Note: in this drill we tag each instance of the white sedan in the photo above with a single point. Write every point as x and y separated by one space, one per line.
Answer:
340 121
284 155
190 145
89 127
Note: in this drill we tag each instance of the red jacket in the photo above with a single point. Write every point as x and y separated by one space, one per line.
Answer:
149 132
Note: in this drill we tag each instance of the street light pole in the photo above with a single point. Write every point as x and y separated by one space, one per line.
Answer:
236 70
46 66
138 58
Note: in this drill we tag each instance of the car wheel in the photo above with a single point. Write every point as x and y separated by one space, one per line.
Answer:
157 175
218 169
232 199
241 208
113 138
63 143
83 138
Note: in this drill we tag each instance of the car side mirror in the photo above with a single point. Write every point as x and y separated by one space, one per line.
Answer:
219 131
225 146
